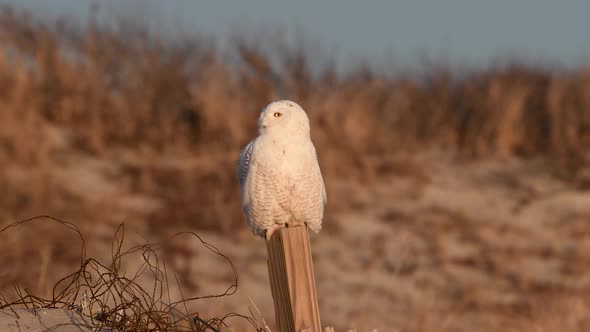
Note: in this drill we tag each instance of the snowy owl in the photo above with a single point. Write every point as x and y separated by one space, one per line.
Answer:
279 172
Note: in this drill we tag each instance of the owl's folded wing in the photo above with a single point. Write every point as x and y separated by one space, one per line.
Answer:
244 162
324 195
322 184
320 178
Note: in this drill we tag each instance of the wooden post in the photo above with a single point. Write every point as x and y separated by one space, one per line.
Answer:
292 280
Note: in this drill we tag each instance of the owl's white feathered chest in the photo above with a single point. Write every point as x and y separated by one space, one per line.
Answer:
290 159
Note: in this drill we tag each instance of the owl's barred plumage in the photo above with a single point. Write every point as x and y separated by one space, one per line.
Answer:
279 172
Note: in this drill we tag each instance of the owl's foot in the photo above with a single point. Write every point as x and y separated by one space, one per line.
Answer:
271 229
294 223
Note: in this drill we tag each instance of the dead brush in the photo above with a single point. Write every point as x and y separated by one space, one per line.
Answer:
110 299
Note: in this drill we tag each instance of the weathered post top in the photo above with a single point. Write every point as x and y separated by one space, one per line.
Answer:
292 280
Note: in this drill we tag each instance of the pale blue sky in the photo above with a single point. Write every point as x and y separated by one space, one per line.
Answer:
399 32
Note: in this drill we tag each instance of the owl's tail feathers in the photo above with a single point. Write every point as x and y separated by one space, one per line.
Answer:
314 227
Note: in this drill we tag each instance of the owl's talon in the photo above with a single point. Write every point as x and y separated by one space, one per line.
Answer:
270 230
295 224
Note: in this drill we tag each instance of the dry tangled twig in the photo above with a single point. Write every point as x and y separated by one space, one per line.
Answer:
108 299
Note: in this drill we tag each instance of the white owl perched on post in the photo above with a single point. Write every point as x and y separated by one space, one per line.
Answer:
279 172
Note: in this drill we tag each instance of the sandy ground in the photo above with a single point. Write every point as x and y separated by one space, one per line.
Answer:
42 320
433 245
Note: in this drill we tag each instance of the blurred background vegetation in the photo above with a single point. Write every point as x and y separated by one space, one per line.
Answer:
103 125
133 98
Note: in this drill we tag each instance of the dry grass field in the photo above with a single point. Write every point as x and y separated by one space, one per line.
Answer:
457 201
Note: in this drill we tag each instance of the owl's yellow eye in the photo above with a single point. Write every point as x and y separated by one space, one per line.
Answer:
278 115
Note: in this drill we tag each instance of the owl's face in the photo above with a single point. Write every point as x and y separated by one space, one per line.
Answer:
285 117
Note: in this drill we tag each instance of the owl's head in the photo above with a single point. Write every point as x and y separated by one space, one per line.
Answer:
284 117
